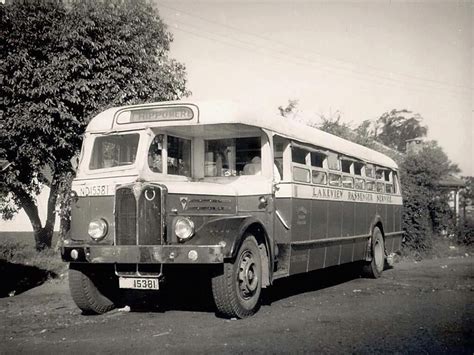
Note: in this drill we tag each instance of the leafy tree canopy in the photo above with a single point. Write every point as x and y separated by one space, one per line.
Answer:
59 66
395 127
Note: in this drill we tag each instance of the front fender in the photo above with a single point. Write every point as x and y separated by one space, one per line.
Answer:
227 231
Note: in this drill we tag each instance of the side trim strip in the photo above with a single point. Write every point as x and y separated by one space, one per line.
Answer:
329 240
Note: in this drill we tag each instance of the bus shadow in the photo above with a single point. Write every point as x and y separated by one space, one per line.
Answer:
310 282
191 290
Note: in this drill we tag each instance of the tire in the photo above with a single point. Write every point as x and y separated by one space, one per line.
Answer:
237 288
89 287
375 267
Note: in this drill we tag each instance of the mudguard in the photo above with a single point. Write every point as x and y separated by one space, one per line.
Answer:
228 231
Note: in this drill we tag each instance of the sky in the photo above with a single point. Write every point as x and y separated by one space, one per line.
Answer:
362 58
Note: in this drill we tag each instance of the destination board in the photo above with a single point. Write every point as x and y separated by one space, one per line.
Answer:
156 114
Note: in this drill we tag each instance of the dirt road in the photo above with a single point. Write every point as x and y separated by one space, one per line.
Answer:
416 307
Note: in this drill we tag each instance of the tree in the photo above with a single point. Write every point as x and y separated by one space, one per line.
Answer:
395 127
291 110
59 66
425 204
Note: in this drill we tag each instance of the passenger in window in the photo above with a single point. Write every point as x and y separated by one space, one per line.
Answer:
154 155
254 167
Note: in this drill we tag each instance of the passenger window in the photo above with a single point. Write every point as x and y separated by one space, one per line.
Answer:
380 187
389 188
333 161
369 185
179 156
395 183
319 177
369 171
359 184
232 157
300 174
298 155
317 159
379 175
386 174
347 182
334 180
346 166
358 168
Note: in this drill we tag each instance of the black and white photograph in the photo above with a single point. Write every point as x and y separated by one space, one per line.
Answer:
233 177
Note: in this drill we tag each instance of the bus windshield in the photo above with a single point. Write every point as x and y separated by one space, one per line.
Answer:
232 157
114 150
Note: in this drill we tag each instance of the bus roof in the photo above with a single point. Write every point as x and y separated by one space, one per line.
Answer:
225 112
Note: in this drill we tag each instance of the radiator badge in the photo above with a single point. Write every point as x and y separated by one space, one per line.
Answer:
184 202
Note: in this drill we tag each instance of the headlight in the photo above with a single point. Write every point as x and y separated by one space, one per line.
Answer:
184 228
97 228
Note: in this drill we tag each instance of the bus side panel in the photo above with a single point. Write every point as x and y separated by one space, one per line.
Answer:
319 230
300 231
335 213
281 234
347 231
390 224
361 228
382 212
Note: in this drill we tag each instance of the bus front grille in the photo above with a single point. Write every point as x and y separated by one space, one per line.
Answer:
125 217
150 225
139 223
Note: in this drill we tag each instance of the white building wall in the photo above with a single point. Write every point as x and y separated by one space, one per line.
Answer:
21 222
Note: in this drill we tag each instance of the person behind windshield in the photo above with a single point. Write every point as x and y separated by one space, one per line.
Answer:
155 161
254 167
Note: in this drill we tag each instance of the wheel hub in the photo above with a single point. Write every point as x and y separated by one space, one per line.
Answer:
247 277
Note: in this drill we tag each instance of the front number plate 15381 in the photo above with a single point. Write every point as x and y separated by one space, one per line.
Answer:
139 283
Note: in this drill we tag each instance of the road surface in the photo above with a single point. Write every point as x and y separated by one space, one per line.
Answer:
422 307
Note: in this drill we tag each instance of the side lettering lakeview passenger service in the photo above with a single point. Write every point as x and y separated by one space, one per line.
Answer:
252 195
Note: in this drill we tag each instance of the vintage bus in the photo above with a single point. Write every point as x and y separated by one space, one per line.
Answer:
254 196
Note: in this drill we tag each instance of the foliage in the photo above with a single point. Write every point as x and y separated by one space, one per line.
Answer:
59 66
395 127
290 109
425 203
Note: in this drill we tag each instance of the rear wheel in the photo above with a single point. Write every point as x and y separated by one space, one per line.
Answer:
375 267
237 288
91 289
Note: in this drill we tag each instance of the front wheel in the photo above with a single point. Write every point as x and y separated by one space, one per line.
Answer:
374 268
92 290
237 288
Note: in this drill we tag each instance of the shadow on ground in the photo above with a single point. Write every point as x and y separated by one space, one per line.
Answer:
18 278
190 290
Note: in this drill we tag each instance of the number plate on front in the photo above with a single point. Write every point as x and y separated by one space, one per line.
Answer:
139 283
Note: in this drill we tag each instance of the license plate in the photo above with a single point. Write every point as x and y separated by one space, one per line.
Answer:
139 283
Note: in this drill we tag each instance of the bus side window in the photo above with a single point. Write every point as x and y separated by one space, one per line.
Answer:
369 171
300 174
380 187
359 184
317 159
298 155
346 166
395 182
369 185
347 182
358 168
333 161
334 180
389 188
319 177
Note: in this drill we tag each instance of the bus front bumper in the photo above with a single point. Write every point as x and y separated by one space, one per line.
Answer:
160 254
